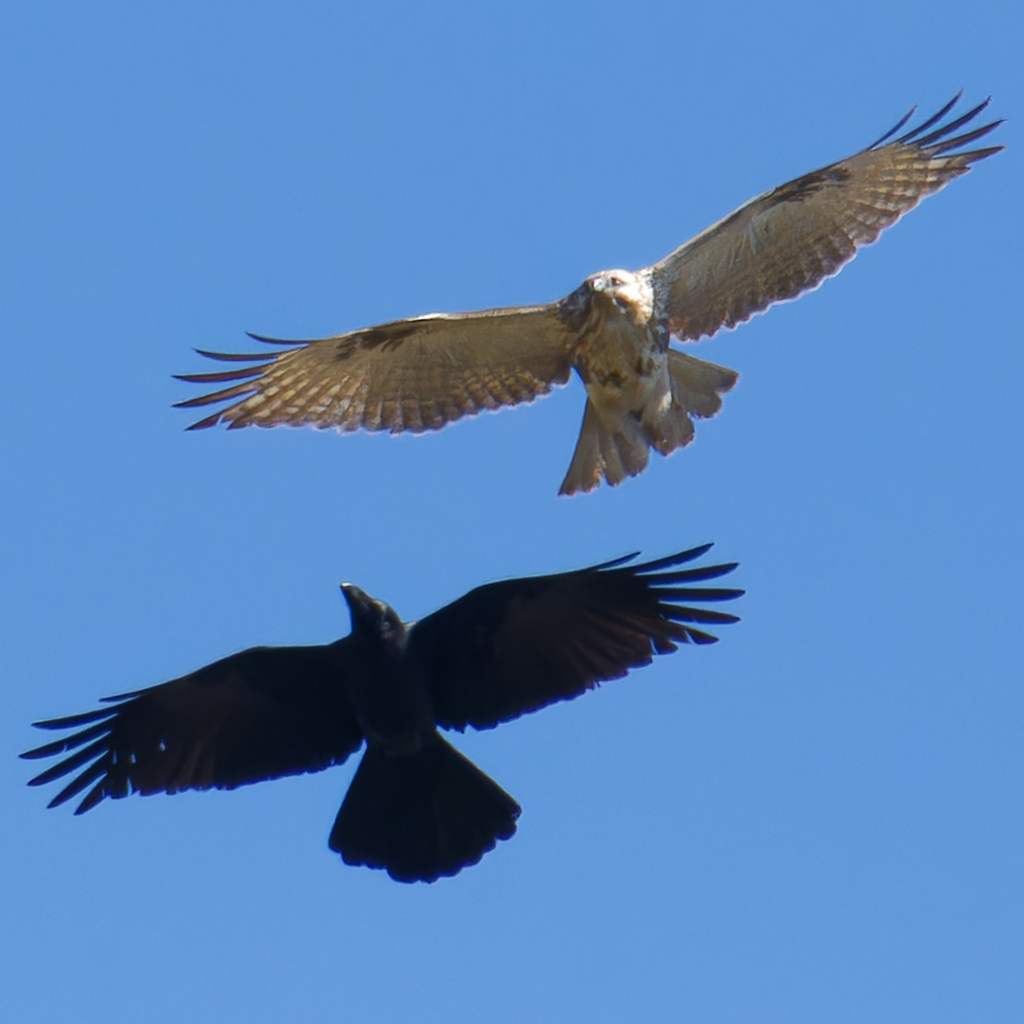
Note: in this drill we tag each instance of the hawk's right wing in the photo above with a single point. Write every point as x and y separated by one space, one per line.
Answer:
416 374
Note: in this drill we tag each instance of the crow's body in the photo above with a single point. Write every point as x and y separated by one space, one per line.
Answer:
415 806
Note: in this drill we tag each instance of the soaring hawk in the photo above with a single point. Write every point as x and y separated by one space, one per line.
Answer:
416 807
614 330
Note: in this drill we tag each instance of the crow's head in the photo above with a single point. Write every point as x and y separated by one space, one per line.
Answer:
373 618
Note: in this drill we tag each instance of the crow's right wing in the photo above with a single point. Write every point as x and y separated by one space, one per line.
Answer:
259 714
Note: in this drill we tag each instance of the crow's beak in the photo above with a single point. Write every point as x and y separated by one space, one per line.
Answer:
360 604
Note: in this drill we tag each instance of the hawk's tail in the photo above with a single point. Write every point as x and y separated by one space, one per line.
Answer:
697 387
599 453
422 816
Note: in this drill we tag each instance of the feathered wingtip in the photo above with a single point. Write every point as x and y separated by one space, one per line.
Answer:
932 143
655 576
664 580
246 374
98 727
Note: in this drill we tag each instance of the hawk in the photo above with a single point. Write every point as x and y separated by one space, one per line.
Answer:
416 806
614 330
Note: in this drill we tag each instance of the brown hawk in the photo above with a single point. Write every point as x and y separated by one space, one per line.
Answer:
614 330
415 806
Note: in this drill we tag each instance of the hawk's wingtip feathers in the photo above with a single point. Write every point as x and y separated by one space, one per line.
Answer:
900 123
925 142
277 341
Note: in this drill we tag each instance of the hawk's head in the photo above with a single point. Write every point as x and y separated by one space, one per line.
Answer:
621 293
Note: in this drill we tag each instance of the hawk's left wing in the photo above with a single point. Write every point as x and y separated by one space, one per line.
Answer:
416 374
789 240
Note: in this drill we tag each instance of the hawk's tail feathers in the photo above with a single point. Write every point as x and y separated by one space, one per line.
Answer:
697 389
422 816
698 386
602 454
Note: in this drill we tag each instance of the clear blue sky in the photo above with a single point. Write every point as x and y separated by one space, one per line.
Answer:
820 819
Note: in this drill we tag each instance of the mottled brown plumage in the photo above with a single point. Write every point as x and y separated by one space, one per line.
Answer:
614 330
416 807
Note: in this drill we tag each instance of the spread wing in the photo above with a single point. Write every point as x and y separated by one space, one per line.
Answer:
416 374
260 714
511 647
788 241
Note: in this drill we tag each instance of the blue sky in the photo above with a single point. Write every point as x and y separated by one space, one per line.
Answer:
817 819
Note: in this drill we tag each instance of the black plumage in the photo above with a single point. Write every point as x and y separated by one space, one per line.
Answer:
415 806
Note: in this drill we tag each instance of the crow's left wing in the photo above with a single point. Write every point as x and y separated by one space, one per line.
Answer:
511 647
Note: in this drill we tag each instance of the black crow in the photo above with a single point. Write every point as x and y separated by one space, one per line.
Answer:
415 806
